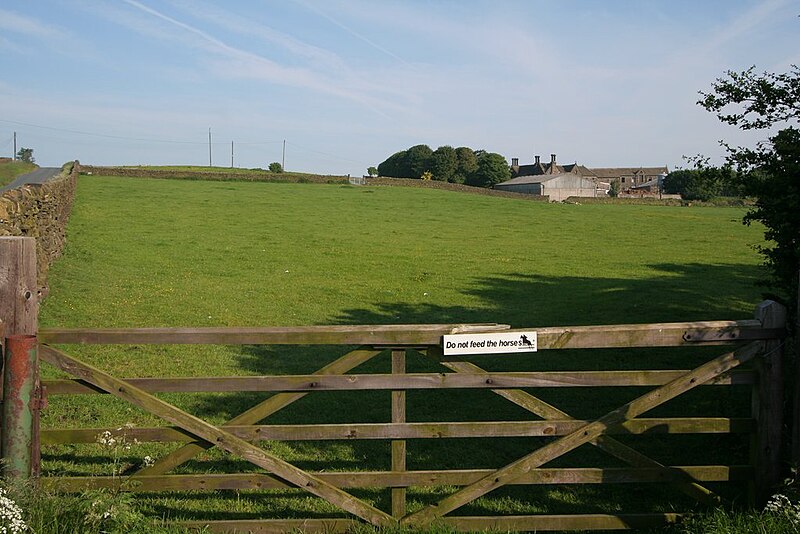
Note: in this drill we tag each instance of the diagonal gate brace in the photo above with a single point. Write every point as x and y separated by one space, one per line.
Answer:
610 445
255 414
591 431
219 437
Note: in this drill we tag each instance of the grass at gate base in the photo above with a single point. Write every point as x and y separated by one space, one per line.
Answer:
147 252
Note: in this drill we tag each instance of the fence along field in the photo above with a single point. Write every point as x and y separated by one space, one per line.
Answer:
426 399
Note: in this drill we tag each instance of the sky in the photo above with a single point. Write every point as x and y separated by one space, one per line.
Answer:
343 84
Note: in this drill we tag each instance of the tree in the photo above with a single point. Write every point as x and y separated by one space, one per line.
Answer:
467 164
444 163
613 189
418 159
26 155
395 166
275 167
372 171
770 172
704 182
492 169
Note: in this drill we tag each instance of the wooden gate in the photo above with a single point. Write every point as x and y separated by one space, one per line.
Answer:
553 428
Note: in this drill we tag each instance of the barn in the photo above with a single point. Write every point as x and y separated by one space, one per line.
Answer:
556 186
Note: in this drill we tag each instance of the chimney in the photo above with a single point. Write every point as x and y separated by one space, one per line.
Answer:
537 160
515 162
552 163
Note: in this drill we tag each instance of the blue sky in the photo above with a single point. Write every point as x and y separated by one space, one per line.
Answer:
348 82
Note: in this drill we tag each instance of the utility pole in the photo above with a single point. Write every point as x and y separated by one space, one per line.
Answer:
283 156
209 148
231 154
15 147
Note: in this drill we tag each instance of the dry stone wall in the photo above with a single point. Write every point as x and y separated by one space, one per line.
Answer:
435 184
221 174
41 211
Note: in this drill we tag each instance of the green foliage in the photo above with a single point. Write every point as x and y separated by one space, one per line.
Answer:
444 163
761 100
771 171
396 166
773 178
275 167
704 182
613 190
418 159
26 155
461 165
467 164
372 171
492 169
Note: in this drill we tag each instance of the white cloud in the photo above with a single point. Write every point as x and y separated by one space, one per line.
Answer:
15 23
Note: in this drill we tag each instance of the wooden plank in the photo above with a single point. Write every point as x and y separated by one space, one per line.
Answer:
220 438
257 413
571 337
532 523
546 523
403 431
651 335
315 382
591 431
606 443
19 295
371 335
270 526
768 408
398 446
384 479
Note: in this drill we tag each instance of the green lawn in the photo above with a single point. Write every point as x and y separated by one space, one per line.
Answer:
192 253
12 169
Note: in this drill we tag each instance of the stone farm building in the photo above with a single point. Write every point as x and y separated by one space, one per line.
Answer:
562 181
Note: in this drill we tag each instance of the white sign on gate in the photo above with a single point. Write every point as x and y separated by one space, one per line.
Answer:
489 343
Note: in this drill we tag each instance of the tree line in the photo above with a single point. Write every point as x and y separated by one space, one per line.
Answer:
460 165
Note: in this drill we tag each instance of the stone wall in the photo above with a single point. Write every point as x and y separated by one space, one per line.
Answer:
447 186
41 211
215 174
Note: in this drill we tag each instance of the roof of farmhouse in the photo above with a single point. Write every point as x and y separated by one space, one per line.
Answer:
553 168
534 179
616 172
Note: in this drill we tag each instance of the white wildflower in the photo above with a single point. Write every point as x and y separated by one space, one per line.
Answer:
11 521
149 460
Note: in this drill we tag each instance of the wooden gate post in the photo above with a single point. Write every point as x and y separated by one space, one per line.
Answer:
398 445
19 298
19 313
19 386
768 406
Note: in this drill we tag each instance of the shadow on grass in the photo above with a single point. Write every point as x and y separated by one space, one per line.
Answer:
682 293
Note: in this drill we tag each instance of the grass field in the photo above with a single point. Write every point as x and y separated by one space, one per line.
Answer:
12 169
176 253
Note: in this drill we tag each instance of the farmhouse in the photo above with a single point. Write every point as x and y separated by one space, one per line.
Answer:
573 179
556 186
630 177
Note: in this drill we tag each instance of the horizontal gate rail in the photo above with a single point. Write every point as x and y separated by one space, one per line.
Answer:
570 337
494 380
350 431
382 479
